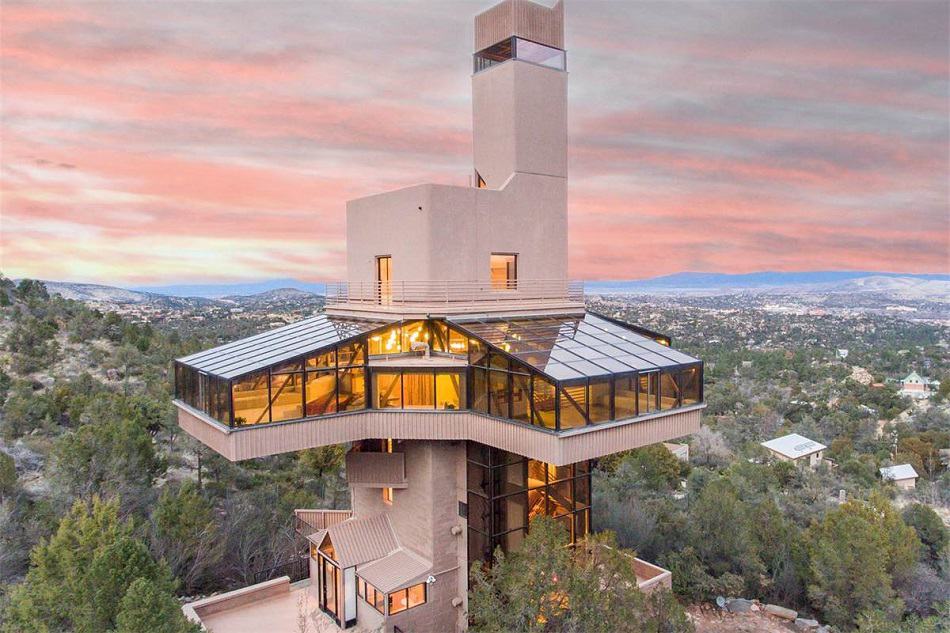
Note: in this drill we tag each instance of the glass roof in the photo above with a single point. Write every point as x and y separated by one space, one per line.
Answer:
257 352
567 348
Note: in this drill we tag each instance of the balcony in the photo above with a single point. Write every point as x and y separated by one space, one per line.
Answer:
376 470
419 298
306 522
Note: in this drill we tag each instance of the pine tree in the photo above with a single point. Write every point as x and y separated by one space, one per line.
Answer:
147 608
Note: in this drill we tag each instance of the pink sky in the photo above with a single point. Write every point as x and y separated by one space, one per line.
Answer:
195 141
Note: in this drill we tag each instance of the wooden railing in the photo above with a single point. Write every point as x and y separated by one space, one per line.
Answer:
306 522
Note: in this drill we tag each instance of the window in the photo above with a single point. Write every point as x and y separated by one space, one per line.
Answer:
599 401
352 387
573 406
286 397
321 392
504 271
372 596
518 48
384 279
647 394
450 390
625 397
539 54
544 402
669 391
690 386
407 598
250 395
387 387
418 390
496 54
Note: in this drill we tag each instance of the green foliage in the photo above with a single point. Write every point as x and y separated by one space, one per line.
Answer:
111 572
79 578
185 534
856 551
32 344
545 586
7 475
24 411
322 460
112 456
933 535
147 608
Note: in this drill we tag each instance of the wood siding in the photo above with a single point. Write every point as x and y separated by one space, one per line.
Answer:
523 18
565 448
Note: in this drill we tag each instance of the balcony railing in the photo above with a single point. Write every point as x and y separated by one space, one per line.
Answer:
306 522
454 293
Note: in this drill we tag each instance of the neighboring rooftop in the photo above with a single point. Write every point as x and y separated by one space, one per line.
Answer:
794 446
899 472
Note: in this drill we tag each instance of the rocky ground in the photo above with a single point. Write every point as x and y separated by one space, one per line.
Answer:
710 619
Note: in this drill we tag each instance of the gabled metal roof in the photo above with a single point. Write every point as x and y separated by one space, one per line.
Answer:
358 541
284 343
794 445
567 348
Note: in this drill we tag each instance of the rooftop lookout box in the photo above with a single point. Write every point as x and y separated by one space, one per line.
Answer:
458 364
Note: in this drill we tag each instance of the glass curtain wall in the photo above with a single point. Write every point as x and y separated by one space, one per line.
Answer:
494 383
506 491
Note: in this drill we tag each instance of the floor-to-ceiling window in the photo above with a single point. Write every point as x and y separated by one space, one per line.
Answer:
506 491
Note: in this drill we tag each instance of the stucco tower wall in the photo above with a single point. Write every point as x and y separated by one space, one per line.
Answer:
519 121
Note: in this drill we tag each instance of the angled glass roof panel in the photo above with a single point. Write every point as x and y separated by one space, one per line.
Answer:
257 352
557 371
566 348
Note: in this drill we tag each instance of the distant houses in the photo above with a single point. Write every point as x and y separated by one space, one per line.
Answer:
917 387
679 451
903 475
797 449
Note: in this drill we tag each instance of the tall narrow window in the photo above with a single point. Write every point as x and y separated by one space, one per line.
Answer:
384 279
388 492
504 271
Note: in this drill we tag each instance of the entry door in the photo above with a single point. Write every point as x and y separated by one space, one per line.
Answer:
330 584
384 279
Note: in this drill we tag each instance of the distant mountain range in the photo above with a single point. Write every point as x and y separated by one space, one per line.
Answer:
855 281
215 291
122 296
916 286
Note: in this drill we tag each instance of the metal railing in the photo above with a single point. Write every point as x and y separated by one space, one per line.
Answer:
447 293
297 569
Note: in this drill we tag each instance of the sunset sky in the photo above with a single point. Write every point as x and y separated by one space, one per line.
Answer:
160 142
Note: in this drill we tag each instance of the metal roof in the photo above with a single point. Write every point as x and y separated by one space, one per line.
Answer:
399 569
358 541
794 446
899 472
275 346
567 348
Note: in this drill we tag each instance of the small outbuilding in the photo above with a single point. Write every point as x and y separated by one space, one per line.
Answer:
903 475
797 449
916 386
679 451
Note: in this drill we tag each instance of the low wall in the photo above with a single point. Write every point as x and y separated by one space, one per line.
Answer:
199 609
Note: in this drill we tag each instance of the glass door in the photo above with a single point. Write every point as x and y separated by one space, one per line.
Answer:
330 594
384 279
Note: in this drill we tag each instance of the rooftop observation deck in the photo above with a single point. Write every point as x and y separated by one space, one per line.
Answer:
410 299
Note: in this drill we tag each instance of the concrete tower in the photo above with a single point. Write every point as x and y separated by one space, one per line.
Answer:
458 365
